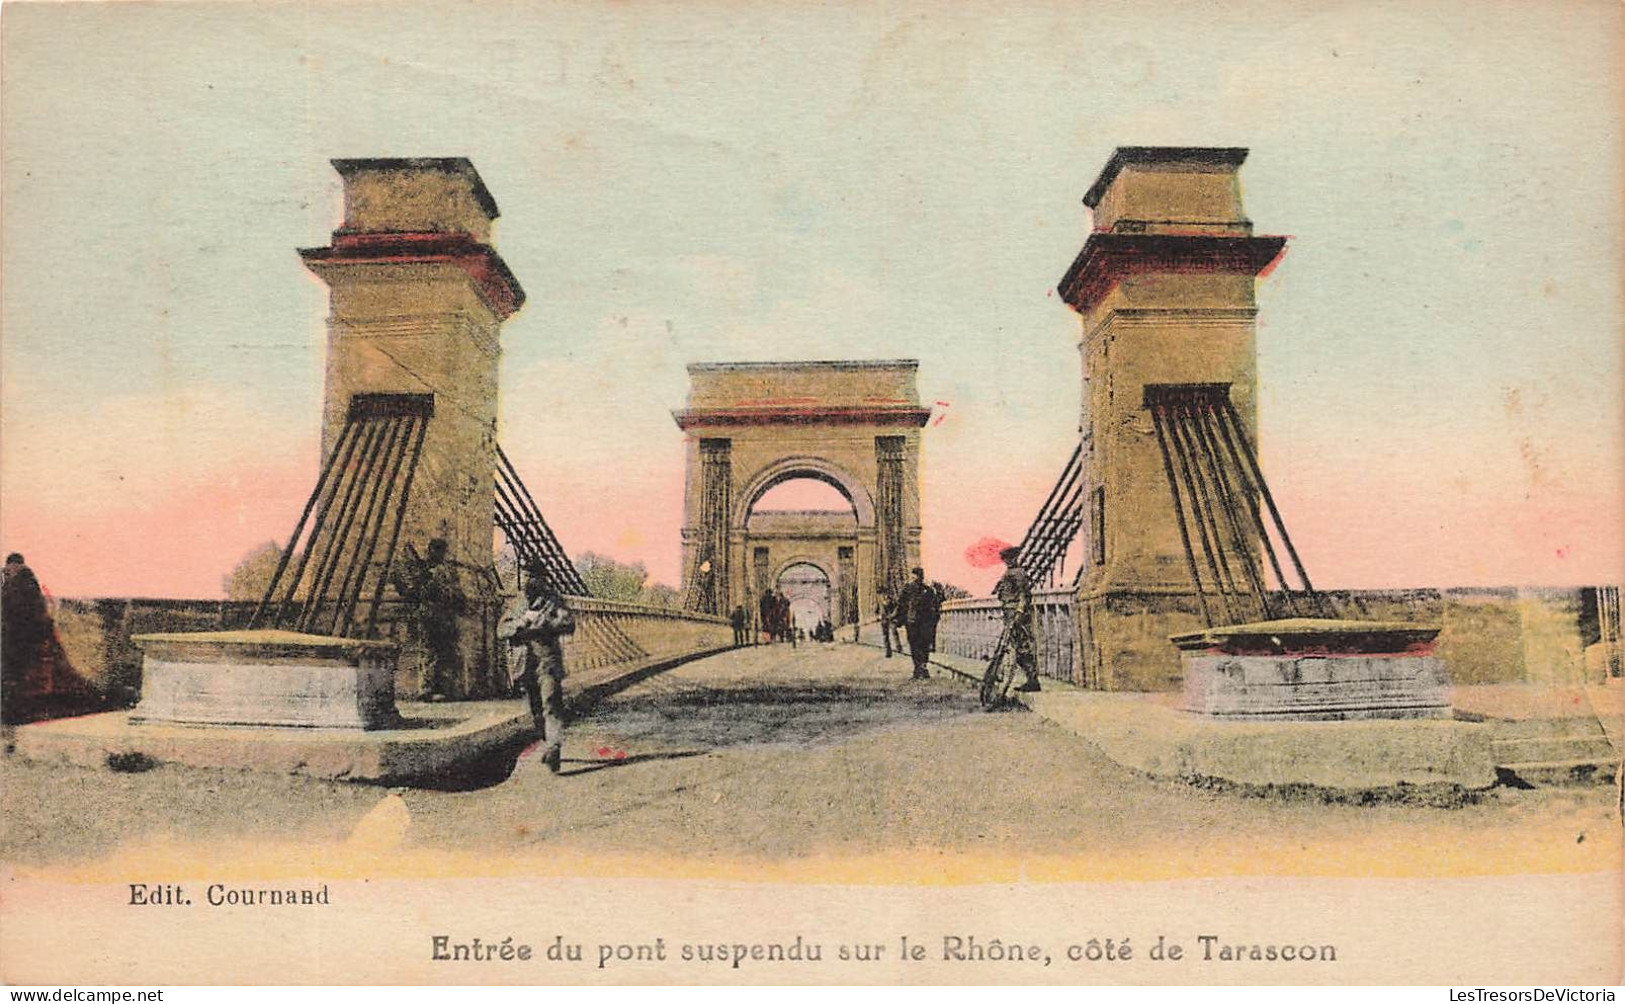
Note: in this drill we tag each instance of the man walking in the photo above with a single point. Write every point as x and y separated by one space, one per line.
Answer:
737 619
1015 594
532 626
920 606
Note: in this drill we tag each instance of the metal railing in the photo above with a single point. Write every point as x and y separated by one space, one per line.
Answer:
970 629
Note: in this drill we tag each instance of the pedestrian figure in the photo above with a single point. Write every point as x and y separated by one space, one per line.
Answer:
35 677
767 611
1015 594
737 619
431 585
920 606
888 619
532 626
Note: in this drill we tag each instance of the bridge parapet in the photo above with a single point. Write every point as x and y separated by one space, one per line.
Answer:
970 628
613 638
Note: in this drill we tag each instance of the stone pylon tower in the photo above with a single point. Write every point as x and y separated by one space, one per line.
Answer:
1164 286
418 297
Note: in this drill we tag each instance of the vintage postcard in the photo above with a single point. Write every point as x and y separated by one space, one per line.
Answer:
746 492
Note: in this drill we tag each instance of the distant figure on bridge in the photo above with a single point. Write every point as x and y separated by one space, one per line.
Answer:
786 628
431 585
888 620
532 626
1015 593
920 606
738 620
767 609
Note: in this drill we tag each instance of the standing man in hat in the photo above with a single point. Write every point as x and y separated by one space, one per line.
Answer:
1015 594
532 626
920 606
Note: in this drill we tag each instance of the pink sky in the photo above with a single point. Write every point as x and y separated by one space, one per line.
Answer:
1353 528
1439 351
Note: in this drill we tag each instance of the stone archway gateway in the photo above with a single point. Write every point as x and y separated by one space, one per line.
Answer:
810 589
852 424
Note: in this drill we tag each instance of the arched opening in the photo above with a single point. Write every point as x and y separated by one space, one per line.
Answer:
802 511
807 496
798 483
808 589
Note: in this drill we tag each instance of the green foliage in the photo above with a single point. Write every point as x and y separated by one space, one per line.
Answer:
608 579
658 594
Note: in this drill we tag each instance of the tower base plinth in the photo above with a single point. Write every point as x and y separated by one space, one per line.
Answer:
1314 670
266 678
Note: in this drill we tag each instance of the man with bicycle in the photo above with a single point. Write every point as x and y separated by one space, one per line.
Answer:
1015 595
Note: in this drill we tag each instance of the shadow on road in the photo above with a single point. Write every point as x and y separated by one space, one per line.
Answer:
802 713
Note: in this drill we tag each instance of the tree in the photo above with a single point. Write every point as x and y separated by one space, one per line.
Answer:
608 579
252 575
954 592
658 594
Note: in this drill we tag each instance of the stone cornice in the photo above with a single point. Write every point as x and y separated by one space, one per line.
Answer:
809 415
1214 156
770 366
1109 258
348 166
840 536
496 284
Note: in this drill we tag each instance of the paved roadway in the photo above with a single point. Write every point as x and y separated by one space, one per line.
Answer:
779 754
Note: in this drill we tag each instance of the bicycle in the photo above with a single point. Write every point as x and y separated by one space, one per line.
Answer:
999 676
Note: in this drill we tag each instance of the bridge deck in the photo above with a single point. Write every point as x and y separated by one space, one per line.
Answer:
770 761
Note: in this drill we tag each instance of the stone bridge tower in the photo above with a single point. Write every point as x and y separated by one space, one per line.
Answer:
854 425
418 297
1164 286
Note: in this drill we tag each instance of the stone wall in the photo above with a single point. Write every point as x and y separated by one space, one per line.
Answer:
95 634
611 637
1487 635
1500 635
